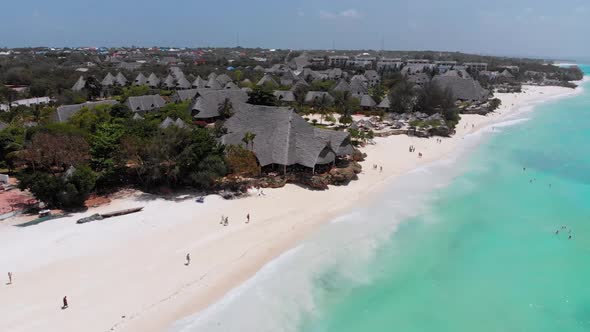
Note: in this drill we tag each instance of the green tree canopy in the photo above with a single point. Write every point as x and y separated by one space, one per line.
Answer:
262 96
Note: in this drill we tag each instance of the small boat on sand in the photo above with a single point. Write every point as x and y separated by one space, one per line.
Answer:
98 216
121 212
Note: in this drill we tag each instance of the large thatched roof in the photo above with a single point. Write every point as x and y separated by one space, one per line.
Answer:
184 95
145 103
120 79
140 80
462 88
153 81
284 96
207 102
199 82
109 80
284 138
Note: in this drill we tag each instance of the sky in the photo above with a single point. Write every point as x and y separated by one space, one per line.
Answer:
547 28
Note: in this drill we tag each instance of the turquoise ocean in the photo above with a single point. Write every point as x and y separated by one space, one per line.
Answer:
476 253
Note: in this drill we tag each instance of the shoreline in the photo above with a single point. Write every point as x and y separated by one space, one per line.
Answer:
139 273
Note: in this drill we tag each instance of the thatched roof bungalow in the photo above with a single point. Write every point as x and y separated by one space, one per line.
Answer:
206 102
282 137
65 112
144 104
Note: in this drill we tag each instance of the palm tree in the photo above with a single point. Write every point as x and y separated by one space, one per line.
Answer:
322 106
248 139
226 108
342 102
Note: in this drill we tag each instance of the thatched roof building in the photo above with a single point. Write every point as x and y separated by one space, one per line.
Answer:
140 80
153 81
145 103
285 138
199 83
314 96
284 96
80 84
65 112
120 79
207 102
108 80
466 89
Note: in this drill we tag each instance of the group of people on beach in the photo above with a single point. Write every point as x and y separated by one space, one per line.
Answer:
225 220
377 167
64 300
413 149
438 140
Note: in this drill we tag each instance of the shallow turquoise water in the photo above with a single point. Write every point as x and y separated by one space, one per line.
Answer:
484 257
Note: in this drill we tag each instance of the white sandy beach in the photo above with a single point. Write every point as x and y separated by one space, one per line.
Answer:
128 273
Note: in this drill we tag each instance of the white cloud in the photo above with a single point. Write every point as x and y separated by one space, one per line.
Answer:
348 13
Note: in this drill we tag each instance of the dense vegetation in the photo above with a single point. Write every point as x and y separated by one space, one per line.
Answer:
104 148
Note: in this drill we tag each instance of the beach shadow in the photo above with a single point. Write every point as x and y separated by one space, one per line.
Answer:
43 219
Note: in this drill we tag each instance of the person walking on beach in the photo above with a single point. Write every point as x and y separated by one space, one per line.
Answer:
188 259
248 218
222 220
9 278
65 303
381 169
226 221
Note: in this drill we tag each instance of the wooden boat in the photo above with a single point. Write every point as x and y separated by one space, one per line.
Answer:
97 216
121 212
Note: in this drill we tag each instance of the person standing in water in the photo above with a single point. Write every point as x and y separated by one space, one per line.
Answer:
10 278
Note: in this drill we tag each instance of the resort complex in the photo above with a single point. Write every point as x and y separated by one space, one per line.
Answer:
159 189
